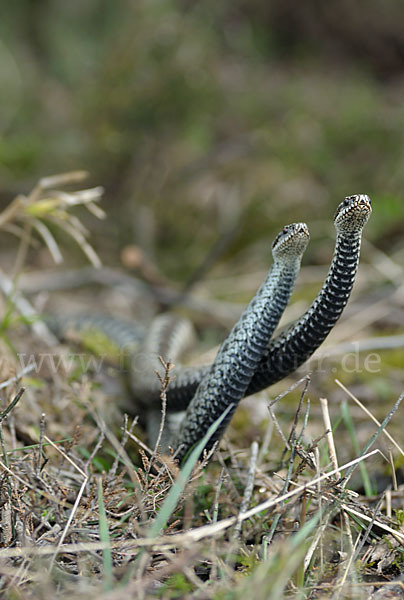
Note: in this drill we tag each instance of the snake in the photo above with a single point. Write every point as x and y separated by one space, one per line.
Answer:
239 354
288 350
292 347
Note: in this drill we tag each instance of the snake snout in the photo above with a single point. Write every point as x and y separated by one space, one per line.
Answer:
302 227
353 213
364 200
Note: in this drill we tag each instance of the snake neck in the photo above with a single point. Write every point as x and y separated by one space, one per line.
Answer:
292 347
228 378
250 335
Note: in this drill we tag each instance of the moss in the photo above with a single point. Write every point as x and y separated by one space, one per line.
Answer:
175 586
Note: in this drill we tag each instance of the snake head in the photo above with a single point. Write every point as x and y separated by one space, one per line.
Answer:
353 213
291 241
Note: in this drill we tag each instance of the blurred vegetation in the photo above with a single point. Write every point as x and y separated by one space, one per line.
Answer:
207 120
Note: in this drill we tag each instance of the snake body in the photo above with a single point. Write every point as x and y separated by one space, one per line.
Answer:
280 357
168 337
124 333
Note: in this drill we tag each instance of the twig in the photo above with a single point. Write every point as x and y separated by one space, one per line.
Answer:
347 569
38 449
394 532
66 456
277 517
139 442
76 503
215 506
305 420
292 434
294 442
374 437
331 510
290 389
164 383
69 521
12 404
118 447
393 470
98 445
17 377
266 441
278 428
388 503
330 437
3 415
369 528
125 437
365 410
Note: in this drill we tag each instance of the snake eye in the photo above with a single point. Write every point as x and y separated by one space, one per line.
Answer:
347 200
285 229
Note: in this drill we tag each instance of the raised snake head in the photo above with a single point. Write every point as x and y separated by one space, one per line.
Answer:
291 241
353 213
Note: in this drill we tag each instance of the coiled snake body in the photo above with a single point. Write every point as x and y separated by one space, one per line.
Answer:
238 370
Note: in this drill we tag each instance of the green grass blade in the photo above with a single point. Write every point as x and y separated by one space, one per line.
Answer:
351 430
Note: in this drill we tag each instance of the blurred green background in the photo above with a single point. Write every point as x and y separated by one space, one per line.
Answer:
210 124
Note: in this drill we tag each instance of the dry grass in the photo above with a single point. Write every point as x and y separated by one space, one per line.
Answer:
87 510
78 517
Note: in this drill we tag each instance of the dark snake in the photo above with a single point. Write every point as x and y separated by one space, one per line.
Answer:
293 347
286 352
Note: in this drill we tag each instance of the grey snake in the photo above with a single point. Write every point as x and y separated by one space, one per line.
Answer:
265 363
